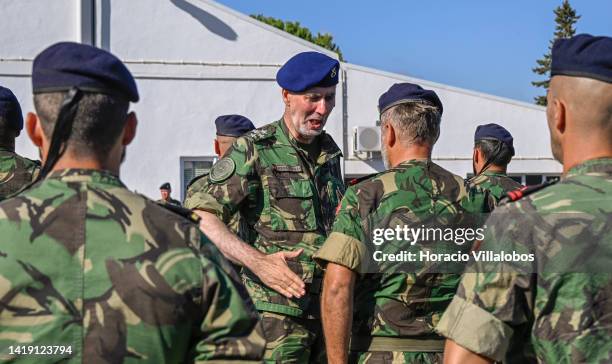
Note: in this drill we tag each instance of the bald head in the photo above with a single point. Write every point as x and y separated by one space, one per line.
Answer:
588 101
579 115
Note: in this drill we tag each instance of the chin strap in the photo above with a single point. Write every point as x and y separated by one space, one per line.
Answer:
61 130
488 162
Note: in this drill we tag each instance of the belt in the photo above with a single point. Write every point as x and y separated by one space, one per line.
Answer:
382 343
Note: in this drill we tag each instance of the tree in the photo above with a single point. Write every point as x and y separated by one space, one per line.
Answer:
324 40
565 18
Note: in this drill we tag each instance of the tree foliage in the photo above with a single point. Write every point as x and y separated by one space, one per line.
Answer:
565 18
324 40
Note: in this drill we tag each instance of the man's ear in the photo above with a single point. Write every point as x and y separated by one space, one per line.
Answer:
34 130
476 155
391 136
217 149
129 130
285 94
559 115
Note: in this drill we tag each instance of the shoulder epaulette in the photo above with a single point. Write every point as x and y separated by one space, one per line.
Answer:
195 179
262 133
354 181
179 210
517 194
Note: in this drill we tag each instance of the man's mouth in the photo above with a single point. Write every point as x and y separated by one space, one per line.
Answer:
315 124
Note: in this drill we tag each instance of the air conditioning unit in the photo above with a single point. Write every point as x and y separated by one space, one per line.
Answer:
366 139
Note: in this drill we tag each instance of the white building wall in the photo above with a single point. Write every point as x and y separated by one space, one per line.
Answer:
195 60
463 111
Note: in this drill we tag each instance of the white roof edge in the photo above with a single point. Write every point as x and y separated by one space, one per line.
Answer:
346 65
269 28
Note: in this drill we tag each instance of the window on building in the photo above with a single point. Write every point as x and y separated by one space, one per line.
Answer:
533 179
192 167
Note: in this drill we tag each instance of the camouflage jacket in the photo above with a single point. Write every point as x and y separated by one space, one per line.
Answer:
114 277
236 224
401 299
15 172
560 308
294 200
498 184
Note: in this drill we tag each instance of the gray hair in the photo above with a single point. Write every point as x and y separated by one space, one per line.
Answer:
414 122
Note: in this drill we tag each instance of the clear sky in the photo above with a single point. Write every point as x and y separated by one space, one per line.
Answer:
483 45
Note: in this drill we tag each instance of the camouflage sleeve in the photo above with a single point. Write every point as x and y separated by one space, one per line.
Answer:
231 329
228 181
193 198
345 245
493 298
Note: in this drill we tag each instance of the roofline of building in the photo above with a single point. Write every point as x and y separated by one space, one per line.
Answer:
400 76
269 28
376 71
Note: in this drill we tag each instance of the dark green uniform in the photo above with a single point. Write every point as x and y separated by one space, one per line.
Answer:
170 201
112 277
397 304
15 172
295 191
497 183
564 312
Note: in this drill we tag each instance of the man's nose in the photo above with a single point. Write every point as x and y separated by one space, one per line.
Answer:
323 106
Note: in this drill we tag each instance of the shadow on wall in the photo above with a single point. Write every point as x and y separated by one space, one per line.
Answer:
209 21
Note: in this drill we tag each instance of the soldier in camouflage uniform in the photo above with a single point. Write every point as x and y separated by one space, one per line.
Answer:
15 170
493 150
395 305
165 190
561 303
92 272
291 169
229 128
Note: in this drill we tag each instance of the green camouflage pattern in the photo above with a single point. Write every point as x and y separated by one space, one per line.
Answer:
236 224
88 264
562 314
498 184
394 357
292 339
395 300
15 172
287 199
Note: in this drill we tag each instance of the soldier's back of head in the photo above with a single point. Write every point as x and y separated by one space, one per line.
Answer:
94 267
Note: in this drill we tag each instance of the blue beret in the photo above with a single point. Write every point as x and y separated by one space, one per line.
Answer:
165 186
495 132
583 56
401 93
65 65
306 70
233 125
10 109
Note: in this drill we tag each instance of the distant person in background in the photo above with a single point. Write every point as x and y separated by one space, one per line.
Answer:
229 128
165 190
493 150
15 170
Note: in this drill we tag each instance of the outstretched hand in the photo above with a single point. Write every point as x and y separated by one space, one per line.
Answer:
274 272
